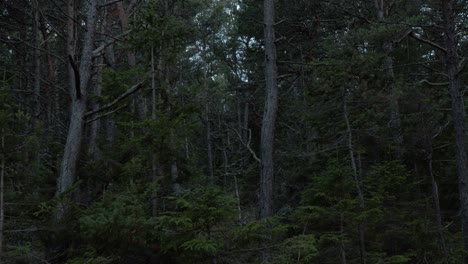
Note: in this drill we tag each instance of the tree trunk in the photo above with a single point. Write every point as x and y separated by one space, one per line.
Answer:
357 181
138 98
209 147
93 148
2 193
342 246
395 120
435 197
37 66
154 160
458 114
109 57
78 93
269 116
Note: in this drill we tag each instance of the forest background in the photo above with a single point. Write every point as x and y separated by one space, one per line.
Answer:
233 131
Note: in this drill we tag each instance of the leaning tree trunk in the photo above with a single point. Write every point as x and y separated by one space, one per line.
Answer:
78 86
269 116
458 114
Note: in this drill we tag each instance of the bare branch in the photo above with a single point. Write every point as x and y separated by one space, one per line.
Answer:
430 43
97 51
247 145
109 3
127 93
433 83
106 114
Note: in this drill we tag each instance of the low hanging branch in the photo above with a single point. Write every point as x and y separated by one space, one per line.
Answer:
127 93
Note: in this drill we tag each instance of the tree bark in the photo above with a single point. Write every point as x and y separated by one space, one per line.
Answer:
78 93
435 197
2 193
458 114
395 120
139 100
358 184
37 66
269 116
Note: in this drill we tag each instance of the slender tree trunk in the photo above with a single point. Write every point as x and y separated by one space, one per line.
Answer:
438 215
154 160
209 147
37 65
50 93
93 148
139 100
357 181
342 246
269 116
109 57
395 120
458 114
2 193
239 209
78 93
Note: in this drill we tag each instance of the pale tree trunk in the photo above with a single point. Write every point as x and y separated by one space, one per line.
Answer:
269 116
395 120
78 94
357 182
458 114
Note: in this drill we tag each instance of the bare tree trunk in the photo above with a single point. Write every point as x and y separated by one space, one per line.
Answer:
342 246
154 165
78 92
269 116
357 181
2 193
438 215
37 65
110 60
93 148
50 93
395 120
458 114
209 147
139 100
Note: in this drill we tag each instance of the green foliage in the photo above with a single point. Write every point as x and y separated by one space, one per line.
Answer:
120 221
196 225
